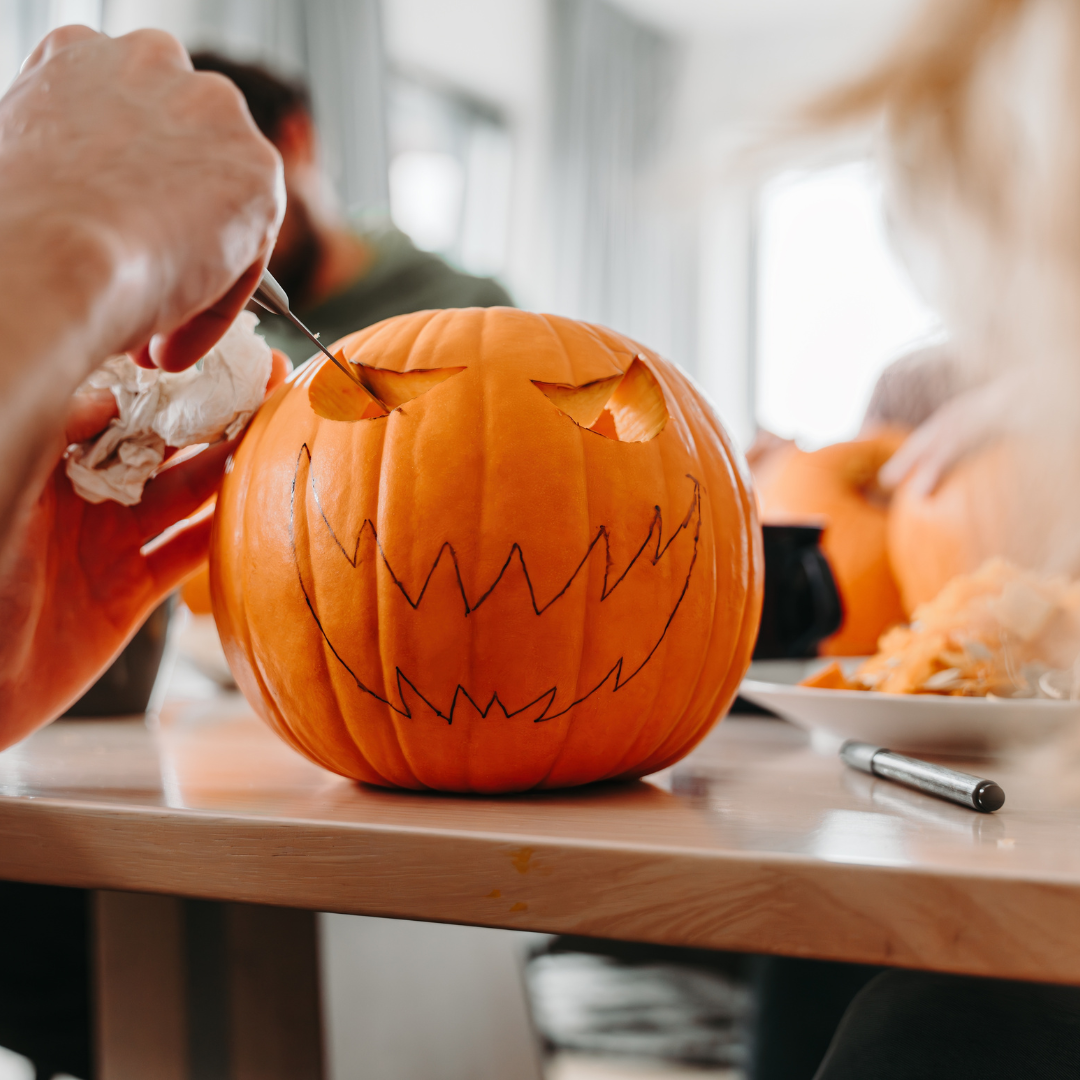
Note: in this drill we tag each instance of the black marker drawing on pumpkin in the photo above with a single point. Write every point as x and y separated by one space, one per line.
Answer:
693 517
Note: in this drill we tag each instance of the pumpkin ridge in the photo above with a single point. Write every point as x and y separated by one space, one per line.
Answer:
616 669
632 749
460 691
602 533
673 746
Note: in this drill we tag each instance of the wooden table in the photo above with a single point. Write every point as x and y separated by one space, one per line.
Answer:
755 843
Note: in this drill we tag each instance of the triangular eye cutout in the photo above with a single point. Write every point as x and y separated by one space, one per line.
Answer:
334 396
583 404
394 388
628 407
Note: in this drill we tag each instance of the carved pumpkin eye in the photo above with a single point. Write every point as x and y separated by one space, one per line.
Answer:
334 396
628 407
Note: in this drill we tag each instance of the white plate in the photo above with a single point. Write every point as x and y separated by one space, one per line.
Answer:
915 723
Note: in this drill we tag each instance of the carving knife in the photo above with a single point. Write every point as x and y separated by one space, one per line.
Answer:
271 296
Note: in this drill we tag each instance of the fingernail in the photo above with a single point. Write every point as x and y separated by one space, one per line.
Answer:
156 349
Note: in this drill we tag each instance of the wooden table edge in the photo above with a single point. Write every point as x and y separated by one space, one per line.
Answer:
932 918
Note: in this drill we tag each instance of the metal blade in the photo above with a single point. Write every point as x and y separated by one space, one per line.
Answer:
271 296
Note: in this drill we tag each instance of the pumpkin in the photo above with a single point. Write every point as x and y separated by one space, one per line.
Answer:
1003 500
195 592
523 556
837 485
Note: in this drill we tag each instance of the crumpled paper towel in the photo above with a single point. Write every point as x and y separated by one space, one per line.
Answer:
160 409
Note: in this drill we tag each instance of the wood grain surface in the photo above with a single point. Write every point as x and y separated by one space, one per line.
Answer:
754 843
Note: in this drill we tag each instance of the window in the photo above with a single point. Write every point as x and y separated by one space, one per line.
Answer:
450 174
833 304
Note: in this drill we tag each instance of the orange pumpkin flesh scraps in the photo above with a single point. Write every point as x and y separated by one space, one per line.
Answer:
831 677
836 485
475 592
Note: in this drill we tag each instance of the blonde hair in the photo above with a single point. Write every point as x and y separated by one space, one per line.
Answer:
979 111
922 85
979 104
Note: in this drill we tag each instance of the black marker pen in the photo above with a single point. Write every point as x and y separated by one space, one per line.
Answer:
970 791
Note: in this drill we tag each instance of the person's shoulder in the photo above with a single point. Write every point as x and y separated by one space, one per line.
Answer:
398 258
489 293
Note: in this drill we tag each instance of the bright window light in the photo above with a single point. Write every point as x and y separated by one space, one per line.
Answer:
82 12
833 304
426 191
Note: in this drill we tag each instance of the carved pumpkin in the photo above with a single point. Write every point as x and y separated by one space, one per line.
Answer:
533 562
837 485
1005 500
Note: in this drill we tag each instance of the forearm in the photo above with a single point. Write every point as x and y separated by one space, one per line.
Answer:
137 197
60 287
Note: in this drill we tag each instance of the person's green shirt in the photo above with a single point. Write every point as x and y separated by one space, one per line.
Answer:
400 279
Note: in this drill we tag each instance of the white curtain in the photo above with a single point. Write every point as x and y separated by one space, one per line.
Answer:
623 251
336 46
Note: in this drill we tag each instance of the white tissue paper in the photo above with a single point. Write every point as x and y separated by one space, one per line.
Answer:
159 409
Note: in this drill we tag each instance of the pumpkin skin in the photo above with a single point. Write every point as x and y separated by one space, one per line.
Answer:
195 592
832 484
415 600
1000 501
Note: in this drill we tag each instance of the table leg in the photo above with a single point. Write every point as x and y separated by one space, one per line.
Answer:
200 990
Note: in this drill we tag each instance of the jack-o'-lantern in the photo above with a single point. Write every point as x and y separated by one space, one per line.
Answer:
837 484
515 551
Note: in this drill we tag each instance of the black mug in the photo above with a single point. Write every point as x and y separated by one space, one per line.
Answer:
802 604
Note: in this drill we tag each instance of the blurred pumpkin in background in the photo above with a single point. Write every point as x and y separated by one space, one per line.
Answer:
837 485
1006 500
195 592
517 552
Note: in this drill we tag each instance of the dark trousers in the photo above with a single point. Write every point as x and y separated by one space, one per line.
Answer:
45 1011
798 1005
823 1021
914 1025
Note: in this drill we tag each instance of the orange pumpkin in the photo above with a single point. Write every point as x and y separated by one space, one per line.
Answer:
837 485
535 563
196 591
1001 501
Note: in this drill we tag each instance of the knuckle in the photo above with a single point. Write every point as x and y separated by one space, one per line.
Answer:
63 36
56 41
156 47
266 156
216 92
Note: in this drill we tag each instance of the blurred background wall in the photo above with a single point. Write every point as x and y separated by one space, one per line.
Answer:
592 155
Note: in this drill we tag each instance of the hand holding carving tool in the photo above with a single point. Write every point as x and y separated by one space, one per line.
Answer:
271 296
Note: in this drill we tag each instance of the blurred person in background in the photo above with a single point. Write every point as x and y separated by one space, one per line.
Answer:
339 277
980 111
981 154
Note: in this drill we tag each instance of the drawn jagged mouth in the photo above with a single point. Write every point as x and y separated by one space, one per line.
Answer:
653 549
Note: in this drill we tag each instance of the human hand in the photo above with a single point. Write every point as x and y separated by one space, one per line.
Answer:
85 576
147 181
961 426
